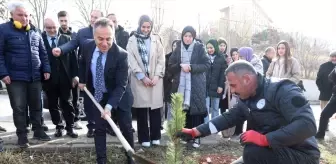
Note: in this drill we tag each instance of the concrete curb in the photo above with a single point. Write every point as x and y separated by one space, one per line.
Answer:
312 102
50 148
59 148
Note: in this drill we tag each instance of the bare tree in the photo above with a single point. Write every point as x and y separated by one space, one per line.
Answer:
39 9
106 6
4 13
169 35
237 33
308 51
157 13
85 8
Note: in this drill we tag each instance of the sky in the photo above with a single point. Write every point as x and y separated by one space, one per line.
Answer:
315 18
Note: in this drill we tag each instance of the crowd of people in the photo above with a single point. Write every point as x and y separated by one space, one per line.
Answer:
131 71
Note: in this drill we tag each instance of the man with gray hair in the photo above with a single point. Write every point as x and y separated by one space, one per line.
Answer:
103 69
23 64
64 72
281 124
267 58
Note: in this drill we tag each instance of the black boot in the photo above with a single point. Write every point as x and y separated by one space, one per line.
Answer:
72 133
320 136
90 133
41 135
110 131
23 141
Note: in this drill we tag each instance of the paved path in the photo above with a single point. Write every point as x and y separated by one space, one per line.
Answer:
10 139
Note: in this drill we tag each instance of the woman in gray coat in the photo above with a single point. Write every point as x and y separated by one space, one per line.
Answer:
188 66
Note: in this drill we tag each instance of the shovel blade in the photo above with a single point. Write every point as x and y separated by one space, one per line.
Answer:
139 159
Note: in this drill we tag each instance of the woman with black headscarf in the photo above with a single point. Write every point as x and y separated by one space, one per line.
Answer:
188 66
147 64
215 78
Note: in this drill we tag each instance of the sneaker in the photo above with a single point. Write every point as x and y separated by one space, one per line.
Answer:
238 161
183 142
146 144
156 142
197 143
235 138
78 125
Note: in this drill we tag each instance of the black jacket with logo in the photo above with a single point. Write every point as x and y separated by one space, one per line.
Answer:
280 111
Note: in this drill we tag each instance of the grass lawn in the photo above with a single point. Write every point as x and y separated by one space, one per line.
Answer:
222 153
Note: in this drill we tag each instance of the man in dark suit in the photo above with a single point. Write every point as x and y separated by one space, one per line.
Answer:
77 42
104 71
64 71
63 20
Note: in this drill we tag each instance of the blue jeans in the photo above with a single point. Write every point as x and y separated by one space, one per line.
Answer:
169 111
22 94
214 103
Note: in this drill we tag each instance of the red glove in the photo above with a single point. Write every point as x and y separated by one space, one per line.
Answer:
254 137
186 134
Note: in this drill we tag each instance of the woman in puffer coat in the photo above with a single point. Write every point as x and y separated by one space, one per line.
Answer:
215 79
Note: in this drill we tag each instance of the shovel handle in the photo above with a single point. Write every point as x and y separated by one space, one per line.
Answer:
121 138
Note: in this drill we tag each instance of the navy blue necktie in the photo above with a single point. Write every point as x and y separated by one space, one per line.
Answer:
99 88
53 44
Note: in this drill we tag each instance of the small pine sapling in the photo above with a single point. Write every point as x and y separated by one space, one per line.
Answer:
175 149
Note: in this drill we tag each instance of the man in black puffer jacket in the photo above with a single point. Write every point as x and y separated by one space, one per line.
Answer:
280 120
330 108
121 35
23 64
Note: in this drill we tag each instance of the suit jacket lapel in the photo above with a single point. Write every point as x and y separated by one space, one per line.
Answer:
89 57
110 58
45 40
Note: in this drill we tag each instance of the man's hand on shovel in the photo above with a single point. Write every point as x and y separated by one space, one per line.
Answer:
106 113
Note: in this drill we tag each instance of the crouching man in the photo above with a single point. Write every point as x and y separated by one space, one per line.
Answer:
280 120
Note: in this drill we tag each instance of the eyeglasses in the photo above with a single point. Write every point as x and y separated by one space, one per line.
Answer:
50 28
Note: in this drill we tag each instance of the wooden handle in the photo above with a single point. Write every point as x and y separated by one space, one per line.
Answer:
121 138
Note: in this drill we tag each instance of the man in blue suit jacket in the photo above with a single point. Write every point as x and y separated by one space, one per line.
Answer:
103 69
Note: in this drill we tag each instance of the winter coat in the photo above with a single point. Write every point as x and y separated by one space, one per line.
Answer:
323 84
147 97
216 76
199 63
293 70
23 56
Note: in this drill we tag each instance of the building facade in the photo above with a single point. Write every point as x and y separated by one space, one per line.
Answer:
243 18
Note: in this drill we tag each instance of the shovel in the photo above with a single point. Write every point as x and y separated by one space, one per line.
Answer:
130 151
